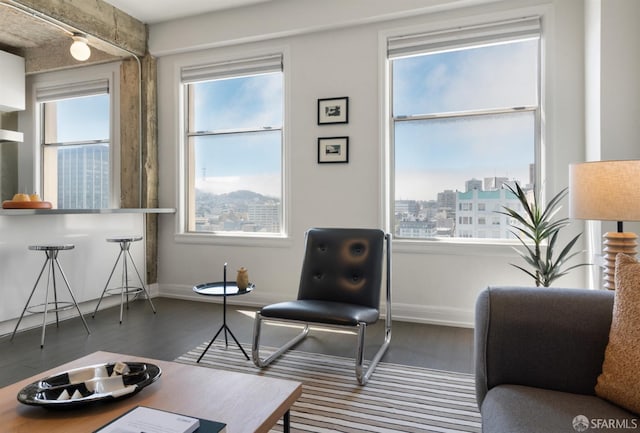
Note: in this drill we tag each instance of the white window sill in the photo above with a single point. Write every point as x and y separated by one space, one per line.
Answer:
492 247
251 240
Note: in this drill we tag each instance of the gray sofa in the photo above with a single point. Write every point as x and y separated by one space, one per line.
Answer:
538 353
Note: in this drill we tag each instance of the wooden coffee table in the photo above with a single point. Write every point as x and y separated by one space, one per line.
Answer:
246 403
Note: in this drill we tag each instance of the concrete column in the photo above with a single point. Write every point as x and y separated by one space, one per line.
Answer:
150 161
140 189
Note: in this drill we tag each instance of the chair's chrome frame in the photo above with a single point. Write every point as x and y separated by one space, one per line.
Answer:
362 374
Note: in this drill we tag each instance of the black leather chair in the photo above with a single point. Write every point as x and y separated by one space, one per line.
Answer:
340 285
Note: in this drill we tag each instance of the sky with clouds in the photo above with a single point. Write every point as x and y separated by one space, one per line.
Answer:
434 155
81 119
430 156
253 160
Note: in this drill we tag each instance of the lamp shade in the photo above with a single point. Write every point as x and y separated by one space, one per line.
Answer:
605 190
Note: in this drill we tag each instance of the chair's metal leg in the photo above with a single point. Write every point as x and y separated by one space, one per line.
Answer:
255 350
361 374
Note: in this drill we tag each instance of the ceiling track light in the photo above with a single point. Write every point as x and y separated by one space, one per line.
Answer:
80 48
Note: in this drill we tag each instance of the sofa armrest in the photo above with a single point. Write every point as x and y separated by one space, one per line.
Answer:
541 337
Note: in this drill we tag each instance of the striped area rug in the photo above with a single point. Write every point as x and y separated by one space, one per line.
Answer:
397 398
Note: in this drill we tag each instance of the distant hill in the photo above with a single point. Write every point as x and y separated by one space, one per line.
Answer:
236 201
237 197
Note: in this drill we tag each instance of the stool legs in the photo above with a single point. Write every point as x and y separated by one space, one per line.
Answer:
66 282
125 289
104 291
51 261
144 288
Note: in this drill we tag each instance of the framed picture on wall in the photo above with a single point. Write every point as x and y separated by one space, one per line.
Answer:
333 110
333 150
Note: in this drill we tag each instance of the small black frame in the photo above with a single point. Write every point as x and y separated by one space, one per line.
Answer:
333 150
333 110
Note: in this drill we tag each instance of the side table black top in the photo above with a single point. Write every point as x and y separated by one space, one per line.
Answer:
217 289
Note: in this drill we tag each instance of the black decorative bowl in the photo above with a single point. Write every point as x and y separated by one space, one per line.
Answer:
91 384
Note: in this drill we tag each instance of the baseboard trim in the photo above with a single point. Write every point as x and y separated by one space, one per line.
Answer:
445 316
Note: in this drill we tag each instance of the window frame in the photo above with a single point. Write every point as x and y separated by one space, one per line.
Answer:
182 235
452 245
109 72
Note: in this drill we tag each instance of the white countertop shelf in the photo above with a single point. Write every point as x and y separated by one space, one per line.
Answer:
11 212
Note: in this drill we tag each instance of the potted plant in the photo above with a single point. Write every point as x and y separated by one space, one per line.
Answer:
535 228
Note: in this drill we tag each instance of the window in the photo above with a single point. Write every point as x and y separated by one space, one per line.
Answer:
234 146
464 121
75 141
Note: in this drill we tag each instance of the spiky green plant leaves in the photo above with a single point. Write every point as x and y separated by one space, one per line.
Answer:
536 226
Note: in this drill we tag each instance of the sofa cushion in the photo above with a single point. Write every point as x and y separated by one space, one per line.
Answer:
517 408
619 381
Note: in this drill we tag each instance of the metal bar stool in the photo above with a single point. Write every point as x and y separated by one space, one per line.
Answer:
125 290
51 250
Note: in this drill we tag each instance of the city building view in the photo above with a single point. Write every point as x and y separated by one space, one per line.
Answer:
472 213
83 177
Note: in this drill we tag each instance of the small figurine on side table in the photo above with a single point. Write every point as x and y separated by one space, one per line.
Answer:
242 280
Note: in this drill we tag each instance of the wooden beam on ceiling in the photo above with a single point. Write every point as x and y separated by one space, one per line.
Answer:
109 26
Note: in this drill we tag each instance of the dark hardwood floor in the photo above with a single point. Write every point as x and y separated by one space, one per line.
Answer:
181 325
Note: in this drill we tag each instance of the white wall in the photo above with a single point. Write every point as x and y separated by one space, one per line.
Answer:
612 93
620 87
333 49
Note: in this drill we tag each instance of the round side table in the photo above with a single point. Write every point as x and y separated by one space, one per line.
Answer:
224 289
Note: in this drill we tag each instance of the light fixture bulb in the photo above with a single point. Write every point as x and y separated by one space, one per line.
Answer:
79 48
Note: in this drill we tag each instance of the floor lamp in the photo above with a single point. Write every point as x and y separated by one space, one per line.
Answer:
607 191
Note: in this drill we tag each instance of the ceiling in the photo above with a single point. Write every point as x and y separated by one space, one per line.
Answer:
14 23
13 35
33 38
154 11
44 45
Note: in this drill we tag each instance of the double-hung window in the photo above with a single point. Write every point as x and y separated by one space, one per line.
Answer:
465 120
75 143
234 146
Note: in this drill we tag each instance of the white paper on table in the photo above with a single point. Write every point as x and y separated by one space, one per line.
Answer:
148 420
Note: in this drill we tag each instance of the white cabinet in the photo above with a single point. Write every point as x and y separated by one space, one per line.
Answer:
12 88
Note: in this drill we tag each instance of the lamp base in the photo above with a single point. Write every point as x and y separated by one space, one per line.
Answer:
614 243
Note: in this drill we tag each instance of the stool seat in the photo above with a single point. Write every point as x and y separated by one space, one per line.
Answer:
51 247
125 289
50 306
124 238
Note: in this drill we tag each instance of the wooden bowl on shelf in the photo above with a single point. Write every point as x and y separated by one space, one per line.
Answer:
10 204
